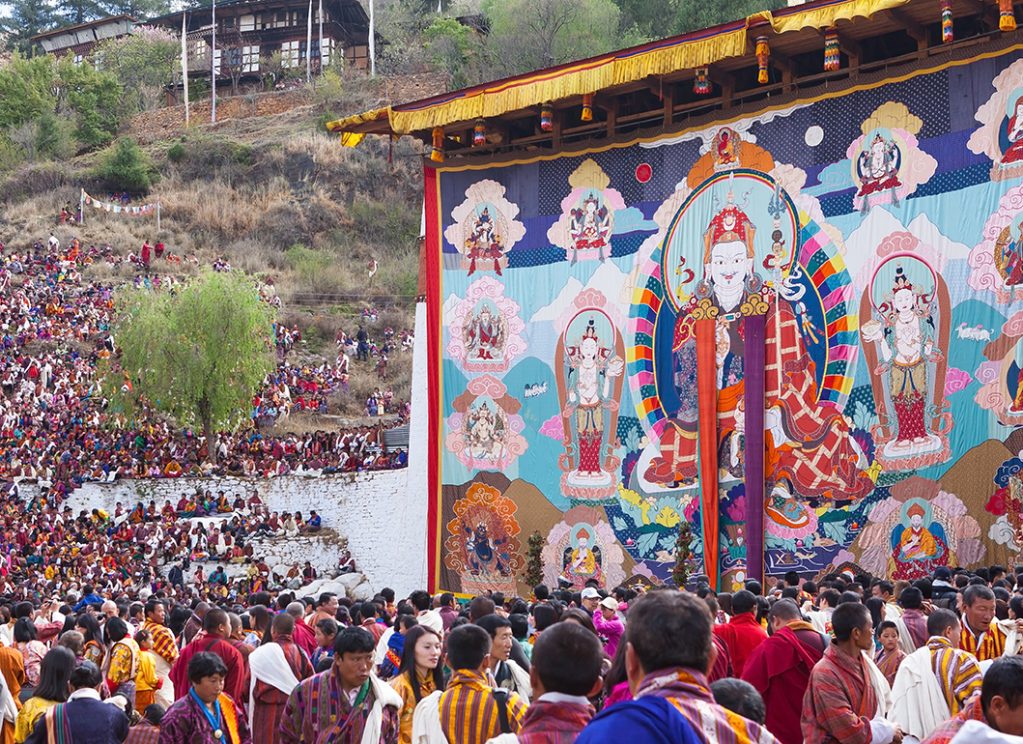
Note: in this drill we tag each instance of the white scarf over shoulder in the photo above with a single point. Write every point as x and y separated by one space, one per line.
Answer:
383 697
918 703
426 726
268 664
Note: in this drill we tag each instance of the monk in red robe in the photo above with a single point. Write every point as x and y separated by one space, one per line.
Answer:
780 669
215 639
742 634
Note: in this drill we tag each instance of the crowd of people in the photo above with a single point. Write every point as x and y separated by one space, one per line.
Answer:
795 661
55 329
293 388
50 551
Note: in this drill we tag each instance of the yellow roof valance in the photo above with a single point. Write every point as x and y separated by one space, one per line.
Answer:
696 49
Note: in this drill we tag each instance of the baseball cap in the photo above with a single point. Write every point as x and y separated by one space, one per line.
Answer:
590 593
609 602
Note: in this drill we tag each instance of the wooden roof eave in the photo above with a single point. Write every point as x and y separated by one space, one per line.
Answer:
911 18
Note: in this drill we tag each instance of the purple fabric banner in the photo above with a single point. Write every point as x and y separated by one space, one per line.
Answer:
753 456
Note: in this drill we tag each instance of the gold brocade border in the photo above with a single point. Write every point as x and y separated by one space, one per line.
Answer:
805 97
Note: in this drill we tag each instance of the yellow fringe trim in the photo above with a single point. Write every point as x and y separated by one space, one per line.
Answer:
535 89
351 121
831 14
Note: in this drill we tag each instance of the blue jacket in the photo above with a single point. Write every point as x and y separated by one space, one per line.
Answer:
89 721
88 599
648 720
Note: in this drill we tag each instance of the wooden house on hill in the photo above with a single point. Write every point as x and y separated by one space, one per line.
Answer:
80 40
248 32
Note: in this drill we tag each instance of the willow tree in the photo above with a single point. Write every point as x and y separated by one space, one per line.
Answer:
199 353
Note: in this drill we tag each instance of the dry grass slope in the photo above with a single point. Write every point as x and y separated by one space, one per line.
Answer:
274 195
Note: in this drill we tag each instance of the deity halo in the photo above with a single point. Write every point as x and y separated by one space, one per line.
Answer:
915 271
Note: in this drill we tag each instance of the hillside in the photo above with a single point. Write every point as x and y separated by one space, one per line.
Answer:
267 190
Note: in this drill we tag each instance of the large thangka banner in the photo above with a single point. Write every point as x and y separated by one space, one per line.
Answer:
798 331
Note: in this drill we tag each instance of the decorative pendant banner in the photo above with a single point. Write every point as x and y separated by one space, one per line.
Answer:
134 210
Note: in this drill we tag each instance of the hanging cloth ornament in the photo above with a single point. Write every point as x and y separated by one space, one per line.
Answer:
763 56
832 55
587 114
479 133
437 151
947 32
701 83
1006 16
547 117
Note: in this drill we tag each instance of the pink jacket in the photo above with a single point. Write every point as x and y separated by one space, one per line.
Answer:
609 630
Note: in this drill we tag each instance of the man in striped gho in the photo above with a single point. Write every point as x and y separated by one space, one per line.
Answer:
934 682
165 650
470 710
998 710
981 635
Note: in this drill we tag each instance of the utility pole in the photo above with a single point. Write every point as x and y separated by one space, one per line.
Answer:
372 41
213 66
309 44
184 62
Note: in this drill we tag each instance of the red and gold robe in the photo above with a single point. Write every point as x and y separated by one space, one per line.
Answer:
819 458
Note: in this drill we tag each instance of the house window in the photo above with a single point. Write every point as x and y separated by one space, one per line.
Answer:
199 48
328 48
217 57
247 23
291 53
78 59
229 22
250 59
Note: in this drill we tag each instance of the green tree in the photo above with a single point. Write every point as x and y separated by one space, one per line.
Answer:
143 64
197 354
449 47
90 98
126 166
26 18
696 14
26 90
78 95
646 18
54 137
138 8
74 12
532 34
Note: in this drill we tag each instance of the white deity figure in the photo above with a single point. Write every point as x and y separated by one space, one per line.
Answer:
593 366
905 341
485 434
878 169
591 228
